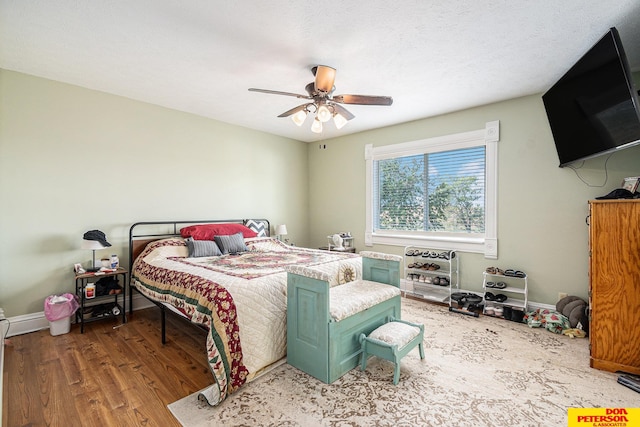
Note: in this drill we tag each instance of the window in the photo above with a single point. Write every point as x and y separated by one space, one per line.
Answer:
437 192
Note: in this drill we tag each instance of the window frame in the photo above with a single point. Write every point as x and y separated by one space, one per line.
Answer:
486 244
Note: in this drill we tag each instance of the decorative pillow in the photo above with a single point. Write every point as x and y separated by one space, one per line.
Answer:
346 274
200 248
208 231
231 244
260 227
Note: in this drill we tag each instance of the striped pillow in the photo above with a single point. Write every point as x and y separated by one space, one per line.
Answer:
231 244
202 248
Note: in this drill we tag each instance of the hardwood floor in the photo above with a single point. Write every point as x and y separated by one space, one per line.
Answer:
106 376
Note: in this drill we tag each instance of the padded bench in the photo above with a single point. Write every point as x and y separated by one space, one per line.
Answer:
392 341
324 323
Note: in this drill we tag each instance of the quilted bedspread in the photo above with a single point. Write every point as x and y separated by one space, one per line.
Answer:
241 299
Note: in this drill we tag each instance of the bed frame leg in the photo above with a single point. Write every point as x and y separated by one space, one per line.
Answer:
163 323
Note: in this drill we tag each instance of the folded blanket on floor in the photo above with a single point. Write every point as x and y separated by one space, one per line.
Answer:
548 319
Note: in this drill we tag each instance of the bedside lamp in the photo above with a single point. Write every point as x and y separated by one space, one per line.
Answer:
94 240
281 230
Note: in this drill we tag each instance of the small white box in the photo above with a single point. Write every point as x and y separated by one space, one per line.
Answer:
61 326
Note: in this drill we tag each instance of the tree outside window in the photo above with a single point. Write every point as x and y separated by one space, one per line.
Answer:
435 192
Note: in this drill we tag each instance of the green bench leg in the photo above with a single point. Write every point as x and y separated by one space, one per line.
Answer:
389 351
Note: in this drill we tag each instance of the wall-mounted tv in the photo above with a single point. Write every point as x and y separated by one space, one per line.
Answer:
594 108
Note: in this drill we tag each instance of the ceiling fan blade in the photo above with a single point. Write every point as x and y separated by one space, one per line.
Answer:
343 112
277 92
363 99
325 77
293 110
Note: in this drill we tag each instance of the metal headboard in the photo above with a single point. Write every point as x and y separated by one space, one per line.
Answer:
155 230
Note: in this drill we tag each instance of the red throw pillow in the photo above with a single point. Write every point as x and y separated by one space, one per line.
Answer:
208 231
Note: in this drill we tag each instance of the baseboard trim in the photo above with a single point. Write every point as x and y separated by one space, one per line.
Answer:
33 322
3 330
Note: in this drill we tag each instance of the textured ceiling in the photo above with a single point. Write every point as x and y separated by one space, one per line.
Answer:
201 56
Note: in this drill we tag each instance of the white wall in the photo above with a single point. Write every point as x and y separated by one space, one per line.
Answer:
73 159
541 207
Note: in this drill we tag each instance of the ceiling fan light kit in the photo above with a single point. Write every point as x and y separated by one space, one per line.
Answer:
324 105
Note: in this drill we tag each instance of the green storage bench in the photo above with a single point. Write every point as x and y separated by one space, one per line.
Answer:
324 323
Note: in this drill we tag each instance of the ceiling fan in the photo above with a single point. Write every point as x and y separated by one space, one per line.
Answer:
323 103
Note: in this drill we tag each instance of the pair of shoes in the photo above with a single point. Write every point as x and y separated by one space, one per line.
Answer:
447 255
413 252
498 298
515 273
495 271
441 281
498 285
465 296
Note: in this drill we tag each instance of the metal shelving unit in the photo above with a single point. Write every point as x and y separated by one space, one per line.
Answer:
426 283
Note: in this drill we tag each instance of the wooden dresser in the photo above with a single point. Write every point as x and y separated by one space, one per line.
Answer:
614 285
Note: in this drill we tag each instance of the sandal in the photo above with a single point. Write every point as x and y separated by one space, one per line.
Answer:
500 298
491 285
458 296
489 296
473 298
500 285
515 273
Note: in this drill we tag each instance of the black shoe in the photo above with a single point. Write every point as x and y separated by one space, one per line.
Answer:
517 315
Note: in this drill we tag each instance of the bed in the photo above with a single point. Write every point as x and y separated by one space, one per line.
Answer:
240 296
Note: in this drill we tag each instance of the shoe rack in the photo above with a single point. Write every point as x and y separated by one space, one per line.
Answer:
430 274
504 293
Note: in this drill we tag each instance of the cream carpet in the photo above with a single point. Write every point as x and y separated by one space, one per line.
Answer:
477 372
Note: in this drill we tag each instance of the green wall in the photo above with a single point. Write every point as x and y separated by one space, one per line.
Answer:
541 207
73 159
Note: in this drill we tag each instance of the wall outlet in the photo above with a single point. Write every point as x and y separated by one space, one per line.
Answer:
562 295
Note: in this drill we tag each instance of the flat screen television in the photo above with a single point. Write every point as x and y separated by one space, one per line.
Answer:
594 108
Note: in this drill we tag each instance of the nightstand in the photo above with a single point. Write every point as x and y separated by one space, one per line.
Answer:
103 305
333 249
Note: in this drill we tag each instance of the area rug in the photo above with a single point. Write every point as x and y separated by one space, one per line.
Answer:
477 372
